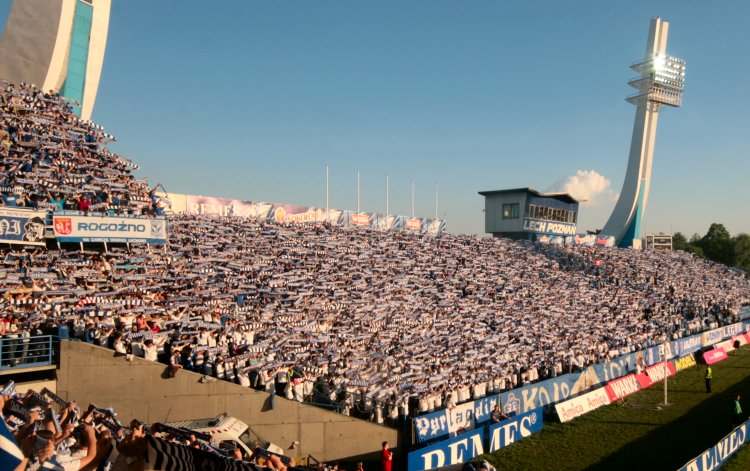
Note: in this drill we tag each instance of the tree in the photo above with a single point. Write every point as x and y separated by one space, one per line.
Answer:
717 244
696 250
679 242
742 252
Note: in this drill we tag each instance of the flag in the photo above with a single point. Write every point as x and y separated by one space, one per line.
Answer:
165 456
10 455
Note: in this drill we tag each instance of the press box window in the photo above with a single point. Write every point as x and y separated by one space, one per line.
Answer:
510 211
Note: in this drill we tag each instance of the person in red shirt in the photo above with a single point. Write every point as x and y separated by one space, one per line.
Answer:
386 458
84 203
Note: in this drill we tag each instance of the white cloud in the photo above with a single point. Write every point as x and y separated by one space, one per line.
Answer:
588 186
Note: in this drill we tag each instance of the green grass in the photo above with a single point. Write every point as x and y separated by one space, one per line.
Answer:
638 433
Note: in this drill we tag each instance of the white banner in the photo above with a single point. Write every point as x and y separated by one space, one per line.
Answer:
582 404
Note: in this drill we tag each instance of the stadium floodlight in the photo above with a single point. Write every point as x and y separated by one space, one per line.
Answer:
660 81
58 45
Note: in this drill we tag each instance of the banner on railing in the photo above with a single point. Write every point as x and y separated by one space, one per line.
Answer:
292 214
82 228
687 345
514 429
717 455
22 226
444 422
713 336
583 404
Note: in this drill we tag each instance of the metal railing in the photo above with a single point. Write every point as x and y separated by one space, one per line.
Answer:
27 352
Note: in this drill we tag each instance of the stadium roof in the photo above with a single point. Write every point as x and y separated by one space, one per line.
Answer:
560 196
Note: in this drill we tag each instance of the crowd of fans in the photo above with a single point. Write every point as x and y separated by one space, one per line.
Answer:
53 160
48 432
379 325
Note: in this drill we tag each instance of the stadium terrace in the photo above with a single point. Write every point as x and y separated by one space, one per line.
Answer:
383 326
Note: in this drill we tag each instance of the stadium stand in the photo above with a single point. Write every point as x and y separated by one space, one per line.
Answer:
379 325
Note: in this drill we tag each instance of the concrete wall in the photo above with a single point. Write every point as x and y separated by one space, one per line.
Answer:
136 389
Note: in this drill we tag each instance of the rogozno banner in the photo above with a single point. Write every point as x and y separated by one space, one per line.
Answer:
78 228
22 226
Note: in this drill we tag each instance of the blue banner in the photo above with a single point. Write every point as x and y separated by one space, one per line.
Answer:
543 393
717 455
686 345
22 226
514 429
461 417
627 363
460 449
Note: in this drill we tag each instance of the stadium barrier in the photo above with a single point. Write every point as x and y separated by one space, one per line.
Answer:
439 424
19 353
622 387
468 445
716 456
618 389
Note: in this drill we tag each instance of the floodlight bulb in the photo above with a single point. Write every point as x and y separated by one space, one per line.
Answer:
659 63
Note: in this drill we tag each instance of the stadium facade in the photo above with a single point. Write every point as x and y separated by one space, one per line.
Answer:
57 45
660 82
524 213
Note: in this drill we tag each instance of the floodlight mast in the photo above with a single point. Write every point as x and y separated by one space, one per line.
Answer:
660 82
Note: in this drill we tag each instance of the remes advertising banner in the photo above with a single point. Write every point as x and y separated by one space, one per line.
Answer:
81 228
514 429
469 445
717 455
22 226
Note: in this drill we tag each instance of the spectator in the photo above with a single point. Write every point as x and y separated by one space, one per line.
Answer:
386 458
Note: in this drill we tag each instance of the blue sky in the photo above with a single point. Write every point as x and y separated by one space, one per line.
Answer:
251 99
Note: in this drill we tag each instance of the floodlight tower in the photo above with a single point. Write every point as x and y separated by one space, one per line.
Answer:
660 82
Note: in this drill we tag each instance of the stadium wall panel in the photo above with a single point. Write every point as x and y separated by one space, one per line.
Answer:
136 389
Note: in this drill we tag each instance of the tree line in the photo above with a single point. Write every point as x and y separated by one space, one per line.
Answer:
717 245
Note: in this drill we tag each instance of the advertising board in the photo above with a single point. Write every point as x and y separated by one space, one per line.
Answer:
572 408
717 455
84 228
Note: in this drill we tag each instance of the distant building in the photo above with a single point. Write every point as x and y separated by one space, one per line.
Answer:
658 242
57 45
524 213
